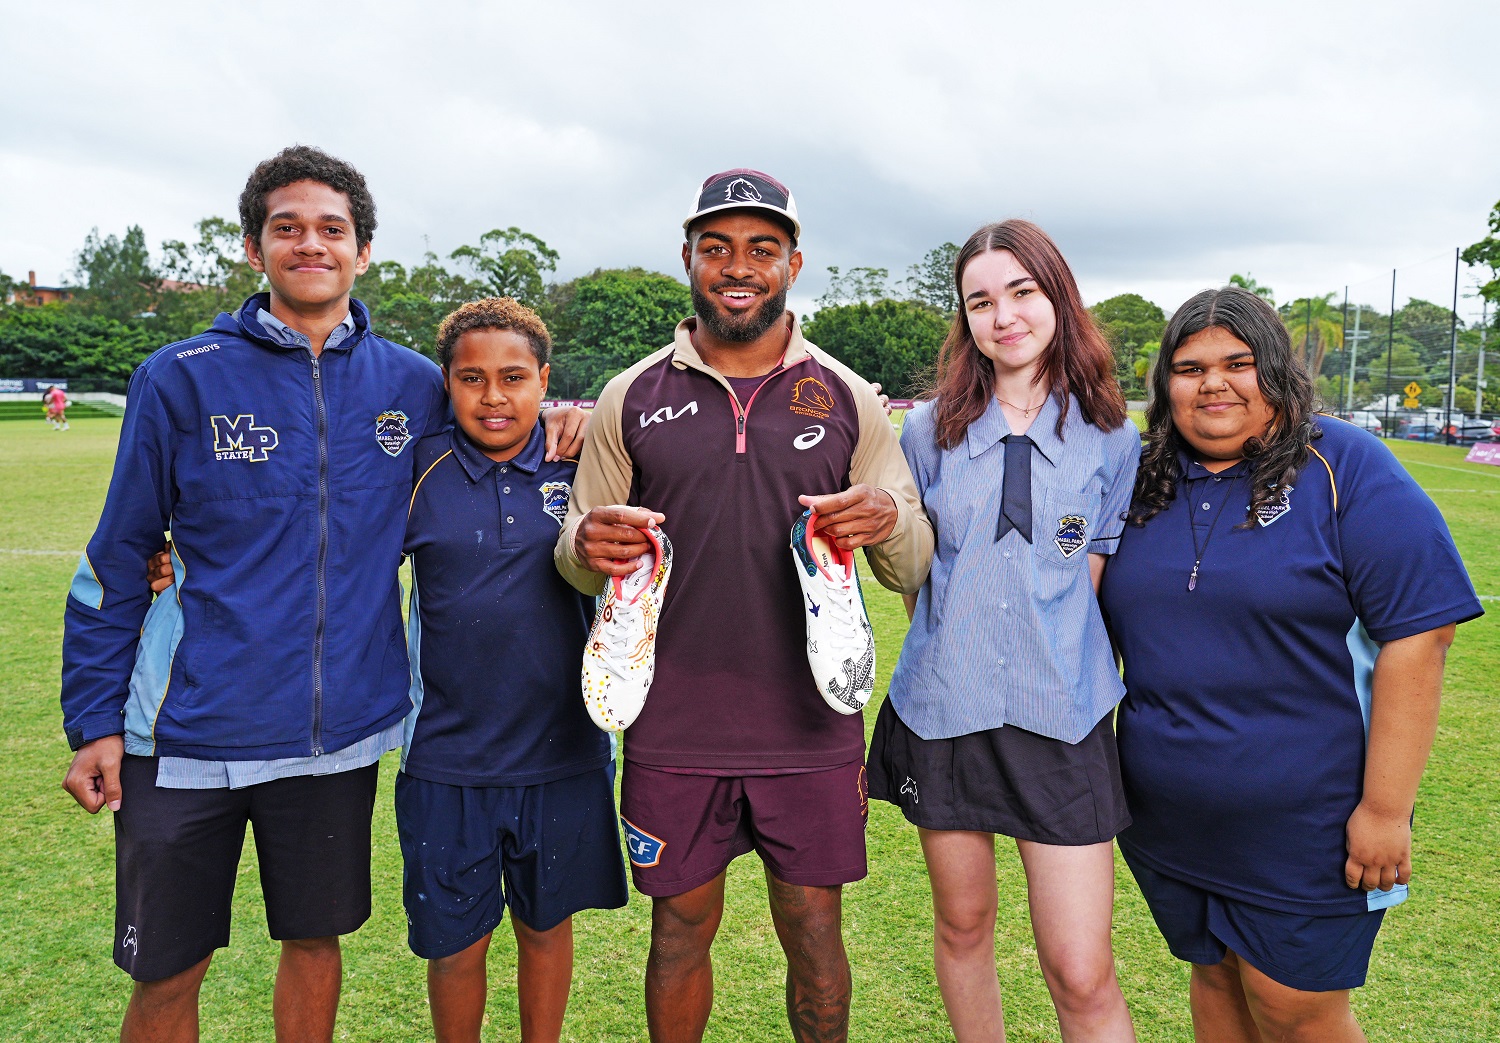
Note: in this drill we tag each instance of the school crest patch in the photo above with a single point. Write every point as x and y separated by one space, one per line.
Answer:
555 496
391 432
1071 534
1275 509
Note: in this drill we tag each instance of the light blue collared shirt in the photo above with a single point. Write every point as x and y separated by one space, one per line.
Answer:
1005 632
193 773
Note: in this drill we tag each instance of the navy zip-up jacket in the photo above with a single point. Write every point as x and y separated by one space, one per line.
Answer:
284 480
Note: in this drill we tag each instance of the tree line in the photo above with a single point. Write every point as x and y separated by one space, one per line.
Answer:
127 301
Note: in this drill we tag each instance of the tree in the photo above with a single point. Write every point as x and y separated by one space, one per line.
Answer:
1315 326
930 280
612 318
1487 253
854 286
203 278
1130 322
93 352
407 307
1430 326
892 342
115 275
1247 282
510 263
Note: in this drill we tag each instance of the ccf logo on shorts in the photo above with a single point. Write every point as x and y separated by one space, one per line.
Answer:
242 439
645 850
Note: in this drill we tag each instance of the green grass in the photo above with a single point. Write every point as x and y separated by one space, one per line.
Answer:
1434 975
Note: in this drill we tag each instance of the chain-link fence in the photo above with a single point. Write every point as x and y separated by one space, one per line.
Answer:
1405 352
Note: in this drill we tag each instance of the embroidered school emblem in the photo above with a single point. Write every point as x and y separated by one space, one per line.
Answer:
242 438
391 432
645 850
811 397
1271 511
1071 538
555 496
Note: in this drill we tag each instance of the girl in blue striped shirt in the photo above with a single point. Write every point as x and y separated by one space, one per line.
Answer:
999 714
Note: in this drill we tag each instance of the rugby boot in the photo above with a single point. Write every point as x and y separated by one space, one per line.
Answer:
840 642
620 658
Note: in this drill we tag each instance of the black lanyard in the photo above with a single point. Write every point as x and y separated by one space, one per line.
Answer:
1199 552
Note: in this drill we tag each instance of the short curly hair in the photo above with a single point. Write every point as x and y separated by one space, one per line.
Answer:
494 313
306 163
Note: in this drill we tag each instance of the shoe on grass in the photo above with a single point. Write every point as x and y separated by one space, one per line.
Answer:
840 642
620 658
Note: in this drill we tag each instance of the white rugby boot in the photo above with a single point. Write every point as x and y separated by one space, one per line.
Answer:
840 642
620 658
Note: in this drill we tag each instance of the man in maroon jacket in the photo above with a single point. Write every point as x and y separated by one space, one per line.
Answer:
723 437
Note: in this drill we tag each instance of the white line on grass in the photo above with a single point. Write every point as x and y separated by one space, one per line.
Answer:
1450 467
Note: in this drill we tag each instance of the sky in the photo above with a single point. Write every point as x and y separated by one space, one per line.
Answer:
1164 145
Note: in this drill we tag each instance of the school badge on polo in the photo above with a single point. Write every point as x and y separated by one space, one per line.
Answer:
1268 513
1071 538
391 432
555 496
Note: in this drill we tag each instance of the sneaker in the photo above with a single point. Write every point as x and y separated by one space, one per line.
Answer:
840 642
620 658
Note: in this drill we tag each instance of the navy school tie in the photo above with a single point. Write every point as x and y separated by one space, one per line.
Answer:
1015 492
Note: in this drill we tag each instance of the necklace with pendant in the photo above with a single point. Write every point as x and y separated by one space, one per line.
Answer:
1199 552
1025 411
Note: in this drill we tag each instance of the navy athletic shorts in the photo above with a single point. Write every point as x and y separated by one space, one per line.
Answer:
1310 953
546 851
177 856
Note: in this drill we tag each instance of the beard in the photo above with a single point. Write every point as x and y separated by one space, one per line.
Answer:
740 327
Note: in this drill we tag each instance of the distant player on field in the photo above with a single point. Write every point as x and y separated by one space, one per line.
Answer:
56 402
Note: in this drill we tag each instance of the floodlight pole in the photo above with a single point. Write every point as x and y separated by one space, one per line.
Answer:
1452 354
1354 340
1484 321
1344 335
1390 346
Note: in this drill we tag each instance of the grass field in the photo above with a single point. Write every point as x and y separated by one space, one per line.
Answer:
1434 975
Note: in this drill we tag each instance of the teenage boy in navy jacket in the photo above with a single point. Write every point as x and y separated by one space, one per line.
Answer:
506 792
267 685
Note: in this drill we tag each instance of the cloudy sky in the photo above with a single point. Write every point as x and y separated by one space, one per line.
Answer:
1163 144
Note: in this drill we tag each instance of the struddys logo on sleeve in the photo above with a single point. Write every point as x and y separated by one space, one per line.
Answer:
1072 534
391 432
242 438
811 397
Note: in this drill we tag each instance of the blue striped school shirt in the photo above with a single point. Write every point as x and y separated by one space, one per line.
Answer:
1005 632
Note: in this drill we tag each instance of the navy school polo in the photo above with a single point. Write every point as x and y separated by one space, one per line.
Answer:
496 635
1243 730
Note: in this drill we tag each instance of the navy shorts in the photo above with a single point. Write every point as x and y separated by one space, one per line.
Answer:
683 830
546 851
177 857
1309 953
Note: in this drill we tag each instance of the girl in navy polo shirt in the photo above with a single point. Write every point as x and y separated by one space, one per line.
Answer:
998 719
1283 601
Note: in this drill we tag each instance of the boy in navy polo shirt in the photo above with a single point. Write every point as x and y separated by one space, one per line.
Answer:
506 795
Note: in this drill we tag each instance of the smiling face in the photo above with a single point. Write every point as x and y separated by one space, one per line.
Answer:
496 387
1215 396
307 247
1009 316
740 265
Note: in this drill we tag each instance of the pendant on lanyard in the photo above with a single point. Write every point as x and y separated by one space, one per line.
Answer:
1199 552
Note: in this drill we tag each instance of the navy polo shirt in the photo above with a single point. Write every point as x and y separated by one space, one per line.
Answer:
1243 730
496 635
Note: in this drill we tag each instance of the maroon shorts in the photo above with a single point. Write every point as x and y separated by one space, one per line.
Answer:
683 830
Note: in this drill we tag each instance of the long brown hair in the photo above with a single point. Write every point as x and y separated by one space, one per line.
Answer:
1281 377
1078 361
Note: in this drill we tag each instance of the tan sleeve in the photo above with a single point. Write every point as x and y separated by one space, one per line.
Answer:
602 480
901 562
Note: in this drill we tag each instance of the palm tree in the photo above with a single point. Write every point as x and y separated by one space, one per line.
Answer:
1316 327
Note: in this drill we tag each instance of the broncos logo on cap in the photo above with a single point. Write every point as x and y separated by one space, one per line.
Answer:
742 191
